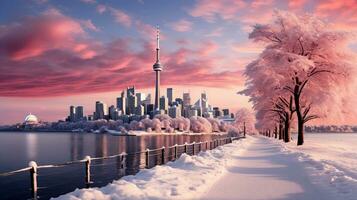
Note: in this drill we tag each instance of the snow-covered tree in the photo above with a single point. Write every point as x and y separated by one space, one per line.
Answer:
310 63
245 119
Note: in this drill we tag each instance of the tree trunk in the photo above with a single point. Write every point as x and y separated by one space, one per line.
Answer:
276 132
287 135
300 119
280 131
300 134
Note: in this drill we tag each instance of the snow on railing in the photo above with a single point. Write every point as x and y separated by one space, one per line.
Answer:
162 154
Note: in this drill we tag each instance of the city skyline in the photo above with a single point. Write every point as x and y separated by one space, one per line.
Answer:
103 46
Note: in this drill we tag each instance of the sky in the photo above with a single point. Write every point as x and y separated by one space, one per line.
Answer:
54 54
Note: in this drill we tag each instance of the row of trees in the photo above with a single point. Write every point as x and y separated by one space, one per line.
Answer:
305 72
160 123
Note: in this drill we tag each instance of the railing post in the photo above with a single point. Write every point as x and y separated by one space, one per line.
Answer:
176 152
193 148
163 155
33 174
123 161
87 162
147 159
186 147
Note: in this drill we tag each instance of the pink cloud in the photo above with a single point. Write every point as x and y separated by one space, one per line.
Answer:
121 17
342 13
35 35
248 47
296 4
68 62
89 1
211 10
215 33
182 26
101 8
89 25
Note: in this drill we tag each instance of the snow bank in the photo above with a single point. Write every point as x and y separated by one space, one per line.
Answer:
330 160
186 178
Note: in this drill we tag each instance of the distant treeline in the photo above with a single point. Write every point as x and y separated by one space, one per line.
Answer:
331 129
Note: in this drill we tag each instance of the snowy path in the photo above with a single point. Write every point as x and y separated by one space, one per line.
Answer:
253 168
265 172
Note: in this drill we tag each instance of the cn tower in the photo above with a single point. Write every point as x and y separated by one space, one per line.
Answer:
157 69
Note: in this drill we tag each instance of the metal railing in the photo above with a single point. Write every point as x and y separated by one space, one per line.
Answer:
153 157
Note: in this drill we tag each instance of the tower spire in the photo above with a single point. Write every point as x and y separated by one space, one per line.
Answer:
157 44
157 69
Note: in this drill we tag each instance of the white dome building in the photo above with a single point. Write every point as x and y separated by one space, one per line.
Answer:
31 120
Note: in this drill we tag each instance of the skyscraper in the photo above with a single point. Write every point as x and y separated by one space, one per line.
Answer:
170 95
174 111
101 110
79 113
131 100
72 114
225 112
121 103
113 113
186 99
132 104
204 102
163 103
140 98
157 67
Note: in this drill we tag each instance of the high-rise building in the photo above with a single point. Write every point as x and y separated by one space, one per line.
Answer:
148 109
163 103
130 91
225 112
157 67
174 111
170 95
192 113
72 114
140 110
140 98
179 100
101 110
132 104
217 112
121 103
204 102
186 99
113 113
79 113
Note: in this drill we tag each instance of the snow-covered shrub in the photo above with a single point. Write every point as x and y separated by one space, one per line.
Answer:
200 125
156 125
162 117
215 124
134 125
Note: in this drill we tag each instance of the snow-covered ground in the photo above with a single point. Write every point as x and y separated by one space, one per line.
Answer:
186 178
330 160
253 168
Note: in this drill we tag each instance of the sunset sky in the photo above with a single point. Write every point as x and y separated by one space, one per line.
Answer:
54 54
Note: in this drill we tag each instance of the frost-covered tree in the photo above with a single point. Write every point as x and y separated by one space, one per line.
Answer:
310 62
245 119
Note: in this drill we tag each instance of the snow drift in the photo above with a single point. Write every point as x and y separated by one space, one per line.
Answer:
186 178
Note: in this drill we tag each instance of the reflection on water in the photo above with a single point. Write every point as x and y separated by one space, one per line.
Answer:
31 144
17 149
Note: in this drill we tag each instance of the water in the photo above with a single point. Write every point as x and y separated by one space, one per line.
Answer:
18 148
